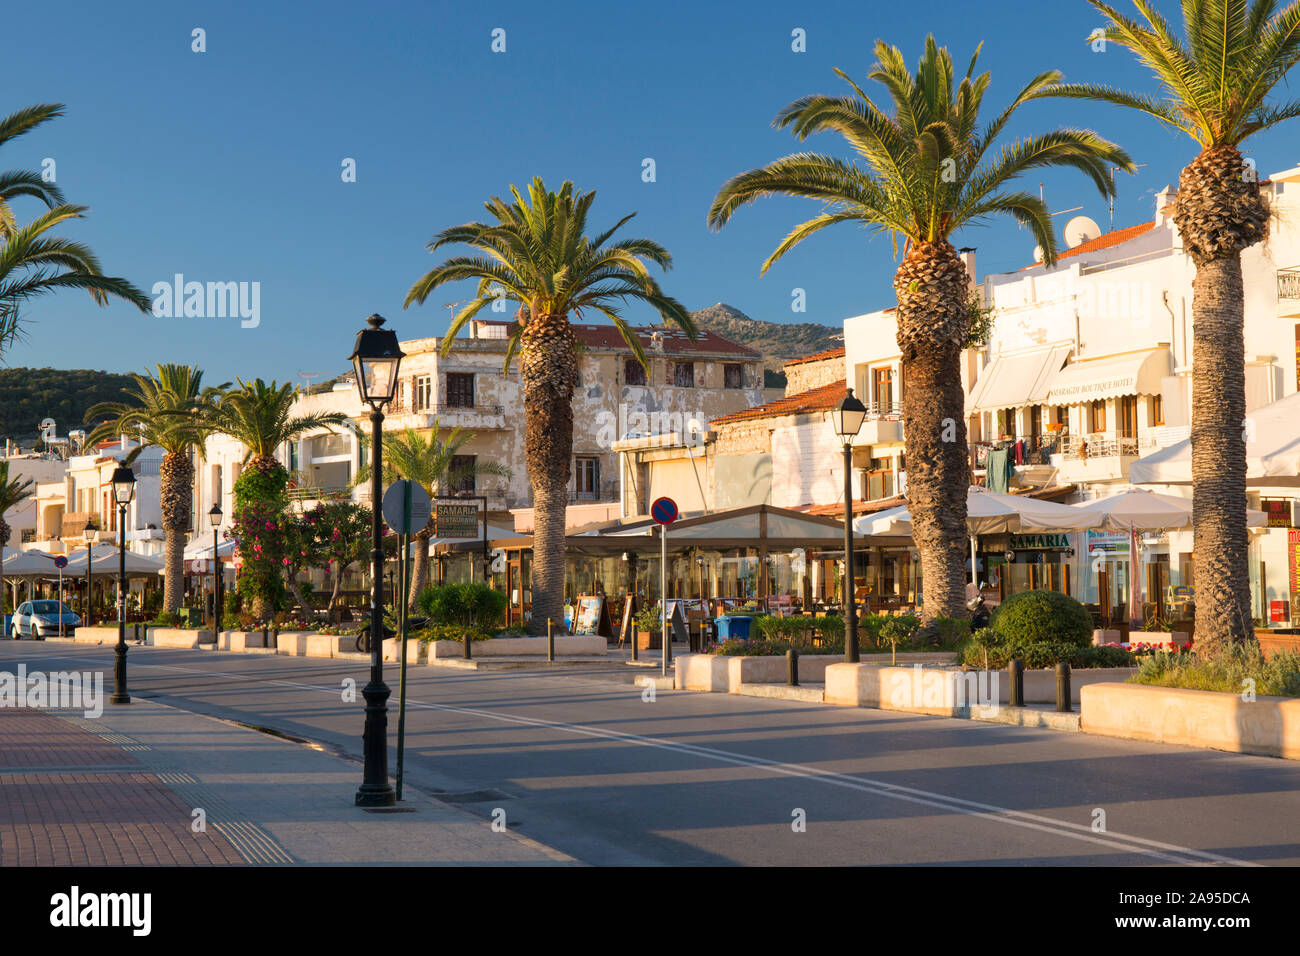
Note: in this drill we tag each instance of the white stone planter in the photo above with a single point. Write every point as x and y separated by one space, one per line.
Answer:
722 674
415 650
569 645
1194 718
178 637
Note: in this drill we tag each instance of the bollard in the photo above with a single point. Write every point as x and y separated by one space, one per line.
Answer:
792 668
266 636
550 640
469 654
1063 687
1016 671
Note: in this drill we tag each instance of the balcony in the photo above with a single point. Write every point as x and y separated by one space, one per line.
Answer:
472 417
1288 292
1098 457
883 425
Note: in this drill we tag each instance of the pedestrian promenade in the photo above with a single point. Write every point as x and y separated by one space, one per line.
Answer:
148 784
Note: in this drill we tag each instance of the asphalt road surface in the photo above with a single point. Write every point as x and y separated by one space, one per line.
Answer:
582 761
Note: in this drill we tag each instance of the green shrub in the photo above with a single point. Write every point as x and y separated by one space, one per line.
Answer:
1226 671
829 628
649 619
897 631
791 629
762 647
988 649
166 619
468 604
953 632
451 632
1034 617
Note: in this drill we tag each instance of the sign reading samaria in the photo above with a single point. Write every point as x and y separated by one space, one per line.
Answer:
456 521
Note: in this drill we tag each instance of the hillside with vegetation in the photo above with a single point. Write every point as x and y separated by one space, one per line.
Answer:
29 395
777 341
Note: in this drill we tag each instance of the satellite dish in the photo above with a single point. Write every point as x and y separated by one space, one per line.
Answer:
1079 230
1038 253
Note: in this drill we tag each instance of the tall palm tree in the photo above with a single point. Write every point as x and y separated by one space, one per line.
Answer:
15 183
924 170
33 263
1214 86
260 417
165 410
13 491
428 461
537 253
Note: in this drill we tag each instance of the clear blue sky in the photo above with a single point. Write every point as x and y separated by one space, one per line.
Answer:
225 165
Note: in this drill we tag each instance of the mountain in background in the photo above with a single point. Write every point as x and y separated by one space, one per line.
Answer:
29 395
778 342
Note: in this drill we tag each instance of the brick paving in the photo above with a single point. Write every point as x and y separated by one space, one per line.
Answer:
68 796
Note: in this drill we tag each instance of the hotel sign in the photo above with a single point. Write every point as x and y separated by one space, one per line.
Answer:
1123 385
1039 542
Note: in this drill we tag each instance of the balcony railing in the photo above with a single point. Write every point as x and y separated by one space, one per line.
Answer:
319 493
892 411
1034 450
1083 447
1288 283
410 408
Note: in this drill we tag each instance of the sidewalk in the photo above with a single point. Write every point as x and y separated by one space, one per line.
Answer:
122 789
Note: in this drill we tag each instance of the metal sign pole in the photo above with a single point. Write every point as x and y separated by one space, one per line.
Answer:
663 596
403 572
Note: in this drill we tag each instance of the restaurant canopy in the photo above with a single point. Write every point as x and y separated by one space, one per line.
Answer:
1142 510
39 564
1010 381
1272 451
987 512
1130 373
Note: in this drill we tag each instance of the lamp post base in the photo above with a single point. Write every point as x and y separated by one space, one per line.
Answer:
120 696
375 791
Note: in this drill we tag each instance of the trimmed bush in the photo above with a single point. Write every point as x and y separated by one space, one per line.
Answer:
1043 617
467 604
451 632
1226 671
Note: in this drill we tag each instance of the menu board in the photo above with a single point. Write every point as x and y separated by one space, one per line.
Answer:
1278 511
592 617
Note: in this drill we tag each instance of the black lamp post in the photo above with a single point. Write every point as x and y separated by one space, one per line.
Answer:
848 415
90 533
214 516
376 357
123 491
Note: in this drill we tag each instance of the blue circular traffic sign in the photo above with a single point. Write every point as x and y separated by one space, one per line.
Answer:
60 562
664 510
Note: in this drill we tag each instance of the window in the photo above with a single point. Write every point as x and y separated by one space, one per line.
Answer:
733 376
633 372
1036 421
460 389
1097 416
424 392
1157 409
879 479
1007 423
882 389
586 474
684 374
1128 416
460 475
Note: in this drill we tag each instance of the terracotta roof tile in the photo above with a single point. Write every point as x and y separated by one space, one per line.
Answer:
675 341
1106 241
818 356
819 399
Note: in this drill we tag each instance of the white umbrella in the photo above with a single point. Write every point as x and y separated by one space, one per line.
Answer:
105 561
30 564
1272 451
201 549
1145 511
987 512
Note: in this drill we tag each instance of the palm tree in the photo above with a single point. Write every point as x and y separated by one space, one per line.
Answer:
165 408
427 460
537 253
1214 86
13 491
925 171
15 183
260 417
32 263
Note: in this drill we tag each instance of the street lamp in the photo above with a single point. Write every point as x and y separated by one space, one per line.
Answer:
215 516
123 491
847 418
376 357
90 533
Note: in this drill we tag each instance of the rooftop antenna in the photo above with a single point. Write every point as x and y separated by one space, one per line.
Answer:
1038 250
1113 171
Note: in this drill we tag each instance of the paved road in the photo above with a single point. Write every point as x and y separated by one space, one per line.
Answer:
581 762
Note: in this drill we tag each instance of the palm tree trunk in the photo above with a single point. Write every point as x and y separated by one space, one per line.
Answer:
549 370
933 317
176 479
1219 212
419 570
1220 549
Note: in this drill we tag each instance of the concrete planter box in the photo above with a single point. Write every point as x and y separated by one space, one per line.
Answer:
649 641
105 634
1105 636
178 637
1194 718
723 674
414 650
1157 637
239 641
293 643
948 691
584 645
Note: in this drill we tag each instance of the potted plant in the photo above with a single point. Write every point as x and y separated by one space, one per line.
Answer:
649 628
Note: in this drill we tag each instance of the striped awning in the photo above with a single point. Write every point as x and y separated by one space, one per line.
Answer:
1132 373
1012 381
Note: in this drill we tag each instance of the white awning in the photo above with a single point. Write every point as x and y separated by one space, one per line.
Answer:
1133 373
1011 381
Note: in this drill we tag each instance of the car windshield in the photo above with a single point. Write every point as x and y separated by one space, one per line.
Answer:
46 607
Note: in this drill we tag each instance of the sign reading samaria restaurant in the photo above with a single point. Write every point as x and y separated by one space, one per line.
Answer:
1039 542
456 521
